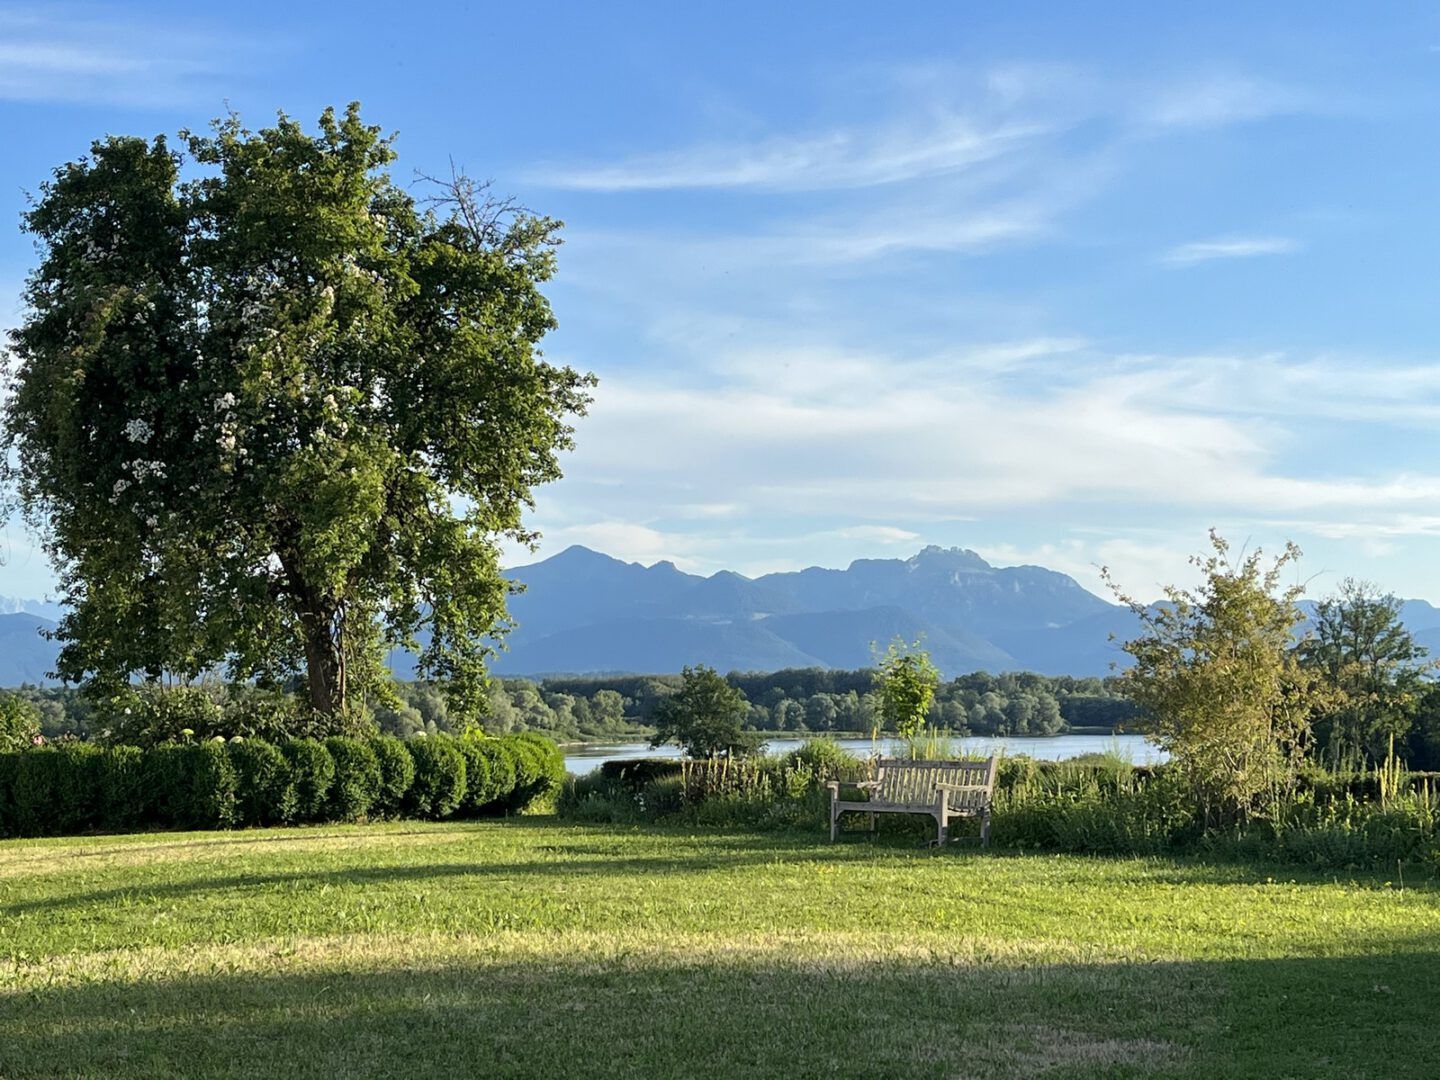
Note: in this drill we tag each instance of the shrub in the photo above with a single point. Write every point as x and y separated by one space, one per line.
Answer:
357 778
57 790
9 765
477 753
153 715
19 722
397 773
539 769
191 786
122 788
313 771
598 799
637 772
439 786
502 773
265 785
827 759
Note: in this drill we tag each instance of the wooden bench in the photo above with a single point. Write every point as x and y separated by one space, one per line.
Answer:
942 789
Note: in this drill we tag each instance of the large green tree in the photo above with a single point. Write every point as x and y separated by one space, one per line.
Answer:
269 412
1361 647
1219 682
706 717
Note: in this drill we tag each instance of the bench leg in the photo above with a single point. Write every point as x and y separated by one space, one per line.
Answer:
942 825
985 828
872 822
834 821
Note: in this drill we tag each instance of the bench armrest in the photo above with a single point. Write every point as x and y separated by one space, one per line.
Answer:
834 786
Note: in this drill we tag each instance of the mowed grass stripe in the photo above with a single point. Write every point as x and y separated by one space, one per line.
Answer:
533 948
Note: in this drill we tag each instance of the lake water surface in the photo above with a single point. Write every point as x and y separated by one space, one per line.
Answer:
582 759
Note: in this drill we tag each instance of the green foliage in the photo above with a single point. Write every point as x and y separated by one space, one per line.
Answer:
907 681
245 405
122 788
75 787
58 789
439 787
1221 686
19 722
312 770
357 778
705 717
826 759
9 768
265 784
397 773
1378 671
477 750
191 786
539 770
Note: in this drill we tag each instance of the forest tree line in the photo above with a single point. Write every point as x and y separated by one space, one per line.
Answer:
802 700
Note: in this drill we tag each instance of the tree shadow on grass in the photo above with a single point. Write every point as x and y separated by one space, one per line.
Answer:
747 1014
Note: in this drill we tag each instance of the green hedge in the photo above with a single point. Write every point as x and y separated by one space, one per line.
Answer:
80 787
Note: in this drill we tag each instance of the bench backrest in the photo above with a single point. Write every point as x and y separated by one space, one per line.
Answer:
914 782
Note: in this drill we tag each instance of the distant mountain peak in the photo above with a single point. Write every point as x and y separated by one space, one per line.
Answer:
953 558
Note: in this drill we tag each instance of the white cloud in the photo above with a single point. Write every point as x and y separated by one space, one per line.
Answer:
839 159
1235 247
60 53
882 534
1219 99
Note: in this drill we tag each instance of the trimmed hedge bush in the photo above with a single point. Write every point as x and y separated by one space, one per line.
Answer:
77 787
265 783
357 778
397 773
439 786
313 771
192 786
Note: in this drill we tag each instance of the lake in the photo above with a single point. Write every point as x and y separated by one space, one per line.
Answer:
582 759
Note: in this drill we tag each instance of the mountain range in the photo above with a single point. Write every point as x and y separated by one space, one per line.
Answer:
585 612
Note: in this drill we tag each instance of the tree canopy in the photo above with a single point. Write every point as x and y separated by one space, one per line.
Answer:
1358 642
706 717
1219 681
907 681
270 412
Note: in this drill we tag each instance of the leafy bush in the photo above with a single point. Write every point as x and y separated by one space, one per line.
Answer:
827 759
397 773
599 799
478 793
539 769
503 775
265 784
153 715
19 722
191 786
637 772
313 771
122 788
357 778
9 766
57 789
439 786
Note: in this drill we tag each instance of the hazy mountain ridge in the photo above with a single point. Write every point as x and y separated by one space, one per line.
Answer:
972 616
583 611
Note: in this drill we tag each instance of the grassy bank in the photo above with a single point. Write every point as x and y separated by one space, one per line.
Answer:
529 947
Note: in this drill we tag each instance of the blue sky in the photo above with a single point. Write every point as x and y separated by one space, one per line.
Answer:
1062 283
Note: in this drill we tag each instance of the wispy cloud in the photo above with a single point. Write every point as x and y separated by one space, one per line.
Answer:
838 159
59 53
1218 99
1231 247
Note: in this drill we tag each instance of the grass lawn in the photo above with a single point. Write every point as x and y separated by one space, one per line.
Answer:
531 947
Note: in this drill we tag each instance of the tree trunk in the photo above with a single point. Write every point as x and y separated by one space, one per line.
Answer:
324 665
